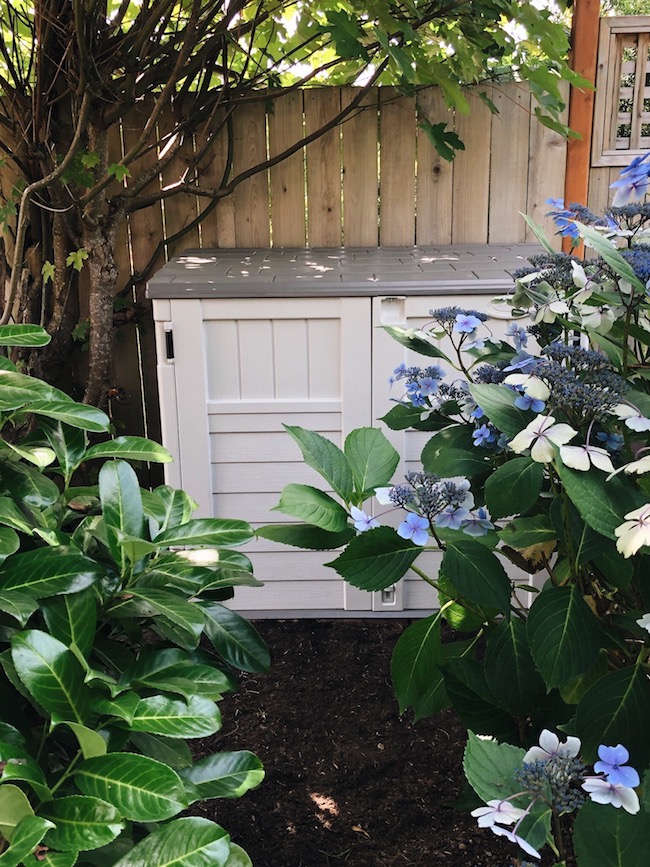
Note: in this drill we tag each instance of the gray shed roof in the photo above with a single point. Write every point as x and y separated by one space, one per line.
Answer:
284 272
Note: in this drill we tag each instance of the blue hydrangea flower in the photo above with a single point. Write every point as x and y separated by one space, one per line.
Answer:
477 523
525 402
362 521
427 385
414 528
451 518
484 436
465 323
522 361
613 442
518 334
612 764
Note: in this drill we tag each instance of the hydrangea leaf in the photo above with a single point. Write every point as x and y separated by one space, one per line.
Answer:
372 458
509 669
477 574
376 559
498 403
313 506
489 767
326 458
514 487
603 835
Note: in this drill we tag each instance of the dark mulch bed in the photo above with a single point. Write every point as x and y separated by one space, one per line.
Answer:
348 781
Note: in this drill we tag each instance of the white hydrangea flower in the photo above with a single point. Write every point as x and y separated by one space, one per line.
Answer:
644 622
582 457
551 746
635 532
540 436
533 386
382 496
502 812
603 792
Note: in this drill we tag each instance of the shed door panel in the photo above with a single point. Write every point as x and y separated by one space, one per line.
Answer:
302 362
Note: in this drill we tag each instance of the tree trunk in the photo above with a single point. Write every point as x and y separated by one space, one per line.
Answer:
102 272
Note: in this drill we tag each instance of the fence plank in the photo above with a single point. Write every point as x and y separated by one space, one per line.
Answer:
218 228
434 174
600 195
471 183
180 211
252 195
509 163
288 177
546 174
397 169
323 169
360 180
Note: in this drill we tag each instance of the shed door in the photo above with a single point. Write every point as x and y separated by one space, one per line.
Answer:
242 369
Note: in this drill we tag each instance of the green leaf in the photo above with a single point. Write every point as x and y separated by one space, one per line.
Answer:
28 484
473 701
23 335
76 259
607 251
170 751
119 171
413 664
616 710
18 605
12 516
326 458
130 448
69 444
234 638
225 775
514 487
174 607
526 532
305 536
172 670
207 531
563 634
402 417
52 859
417 341
498 403
51 673
477 574
92 744
140 788
601 504
122 707
72 619
509 669
445 141
25 769
376 559
159 715
603 835
75 414
187 842
489 767
26 836
48 571
372 458
81 823
119 492
238 857
14 807
313 506
446 462
168 507
538 232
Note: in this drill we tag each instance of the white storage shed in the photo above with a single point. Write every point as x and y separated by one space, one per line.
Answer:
250 339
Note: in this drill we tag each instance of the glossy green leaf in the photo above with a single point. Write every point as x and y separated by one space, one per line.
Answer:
26 770
477 574
28 484
489 767
52 859
526 532
18 605
616 711
168 507
48 572
313 506
91 743
12 516
18 390
14 807
376 559
207 531
160 715
418 341
140 788
23 335
563 634
372 458
238 857
606 249
188 842
473 702
498 403
82 823
51 673
122 707
225 775
27 834
514 487
414 661
326 458
305 536
40 456
130 448
69 444
171 670
605 836
9 543
74 414
170 751
186 615
402 417
119 492
234 638
446 462
509 669
72 618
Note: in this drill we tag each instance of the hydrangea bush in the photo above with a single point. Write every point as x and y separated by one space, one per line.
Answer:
537 466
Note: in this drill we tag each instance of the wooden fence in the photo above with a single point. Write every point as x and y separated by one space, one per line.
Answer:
375 180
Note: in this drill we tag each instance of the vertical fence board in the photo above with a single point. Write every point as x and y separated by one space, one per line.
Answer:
180 211
323 169
545 175
397 169
471 184
509 164
434 174
146 232
360 179
218 228
600 195
288 177
252 195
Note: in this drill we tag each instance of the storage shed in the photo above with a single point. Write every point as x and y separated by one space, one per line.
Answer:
250 339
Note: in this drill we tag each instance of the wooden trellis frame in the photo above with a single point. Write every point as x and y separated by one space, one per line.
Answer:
617 35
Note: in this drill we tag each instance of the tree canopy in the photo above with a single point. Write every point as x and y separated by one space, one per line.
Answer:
70 70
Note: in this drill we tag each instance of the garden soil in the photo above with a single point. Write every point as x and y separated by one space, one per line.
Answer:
348 780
